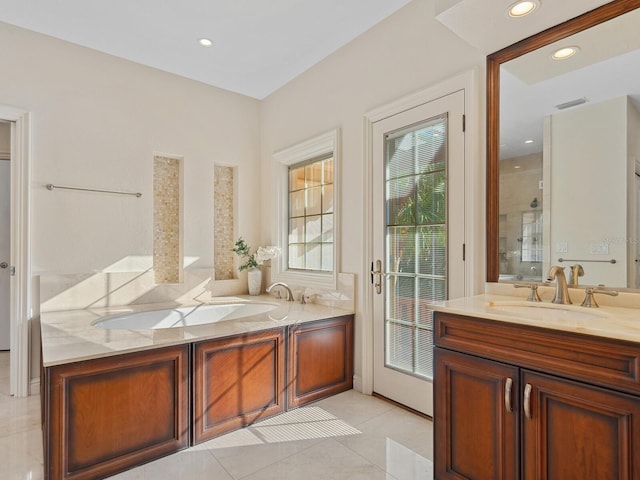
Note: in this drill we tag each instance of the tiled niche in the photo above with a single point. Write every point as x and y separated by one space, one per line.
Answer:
167 219
223 221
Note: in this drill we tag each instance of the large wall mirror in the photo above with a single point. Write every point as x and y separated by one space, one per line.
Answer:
563 152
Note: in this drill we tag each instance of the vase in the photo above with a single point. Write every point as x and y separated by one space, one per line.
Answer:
254 280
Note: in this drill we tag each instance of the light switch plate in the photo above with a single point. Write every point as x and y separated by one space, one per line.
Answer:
599 249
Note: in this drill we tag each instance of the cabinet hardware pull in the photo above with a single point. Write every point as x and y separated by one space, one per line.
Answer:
507 395
527 401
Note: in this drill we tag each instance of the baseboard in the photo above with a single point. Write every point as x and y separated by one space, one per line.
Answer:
34 386
357 383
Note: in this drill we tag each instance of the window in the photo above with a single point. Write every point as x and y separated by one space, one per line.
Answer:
311 215
306 213
531 239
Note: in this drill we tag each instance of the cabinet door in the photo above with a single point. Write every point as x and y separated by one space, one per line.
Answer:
475 418
320 359
106 415
237 381
574 431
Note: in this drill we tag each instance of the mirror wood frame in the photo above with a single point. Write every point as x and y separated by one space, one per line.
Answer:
553 34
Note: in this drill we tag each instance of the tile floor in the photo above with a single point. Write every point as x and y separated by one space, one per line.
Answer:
346 437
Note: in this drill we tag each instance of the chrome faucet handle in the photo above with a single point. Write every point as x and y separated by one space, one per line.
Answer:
590 299
533 294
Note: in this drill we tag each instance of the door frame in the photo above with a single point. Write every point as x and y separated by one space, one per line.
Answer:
474 204
20 308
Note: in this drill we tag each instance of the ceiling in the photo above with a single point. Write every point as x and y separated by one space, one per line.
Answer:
606 67
486 25
259 45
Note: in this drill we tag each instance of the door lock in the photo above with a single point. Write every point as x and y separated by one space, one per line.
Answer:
376 276
4 264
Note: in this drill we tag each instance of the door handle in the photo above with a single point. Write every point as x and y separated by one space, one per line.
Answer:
527 401
376 276
507 395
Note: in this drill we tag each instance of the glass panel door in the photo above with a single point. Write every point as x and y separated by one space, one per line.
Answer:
418 184
416 243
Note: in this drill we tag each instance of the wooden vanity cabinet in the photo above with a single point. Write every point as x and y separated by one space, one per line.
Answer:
537 404
320 360
237 381
476 434
106 415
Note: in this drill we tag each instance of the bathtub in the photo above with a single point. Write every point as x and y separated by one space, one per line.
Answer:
183 316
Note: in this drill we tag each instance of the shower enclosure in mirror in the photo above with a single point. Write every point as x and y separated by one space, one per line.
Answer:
563 151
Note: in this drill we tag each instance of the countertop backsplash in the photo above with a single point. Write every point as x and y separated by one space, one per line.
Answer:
60 292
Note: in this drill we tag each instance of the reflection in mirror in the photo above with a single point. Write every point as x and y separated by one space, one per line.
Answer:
569 157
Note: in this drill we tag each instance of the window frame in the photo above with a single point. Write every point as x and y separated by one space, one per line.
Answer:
327 143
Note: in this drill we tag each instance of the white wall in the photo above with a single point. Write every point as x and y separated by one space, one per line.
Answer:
588 152
405 53
97 121
633 198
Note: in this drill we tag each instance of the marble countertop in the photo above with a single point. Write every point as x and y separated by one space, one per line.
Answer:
70 336
622 323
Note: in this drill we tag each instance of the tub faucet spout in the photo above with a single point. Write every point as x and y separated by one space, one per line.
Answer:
283 285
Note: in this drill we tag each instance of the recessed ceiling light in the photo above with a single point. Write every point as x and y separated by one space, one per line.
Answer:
528 141
205 42
565 52
521 9
516 166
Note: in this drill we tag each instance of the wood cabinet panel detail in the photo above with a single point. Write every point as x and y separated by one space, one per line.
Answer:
238 381
107 415
597 360
578 431
568 425
470 405
320 359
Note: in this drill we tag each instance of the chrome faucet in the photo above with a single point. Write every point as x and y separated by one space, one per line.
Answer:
283 285
562 292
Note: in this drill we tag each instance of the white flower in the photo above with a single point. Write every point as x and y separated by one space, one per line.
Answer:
266 253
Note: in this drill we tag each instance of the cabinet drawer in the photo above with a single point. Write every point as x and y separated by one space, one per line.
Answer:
597 360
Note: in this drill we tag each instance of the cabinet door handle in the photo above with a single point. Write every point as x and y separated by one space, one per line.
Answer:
527 401
507 395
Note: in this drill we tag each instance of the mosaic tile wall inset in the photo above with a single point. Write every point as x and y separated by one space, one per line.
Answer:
167 261
223 223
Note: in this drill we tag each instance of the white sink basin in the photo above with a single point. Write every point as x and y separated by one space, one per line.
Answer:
551 310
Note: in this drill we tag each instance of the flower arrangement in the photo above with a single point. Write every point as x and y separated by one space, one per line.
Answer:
261 255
